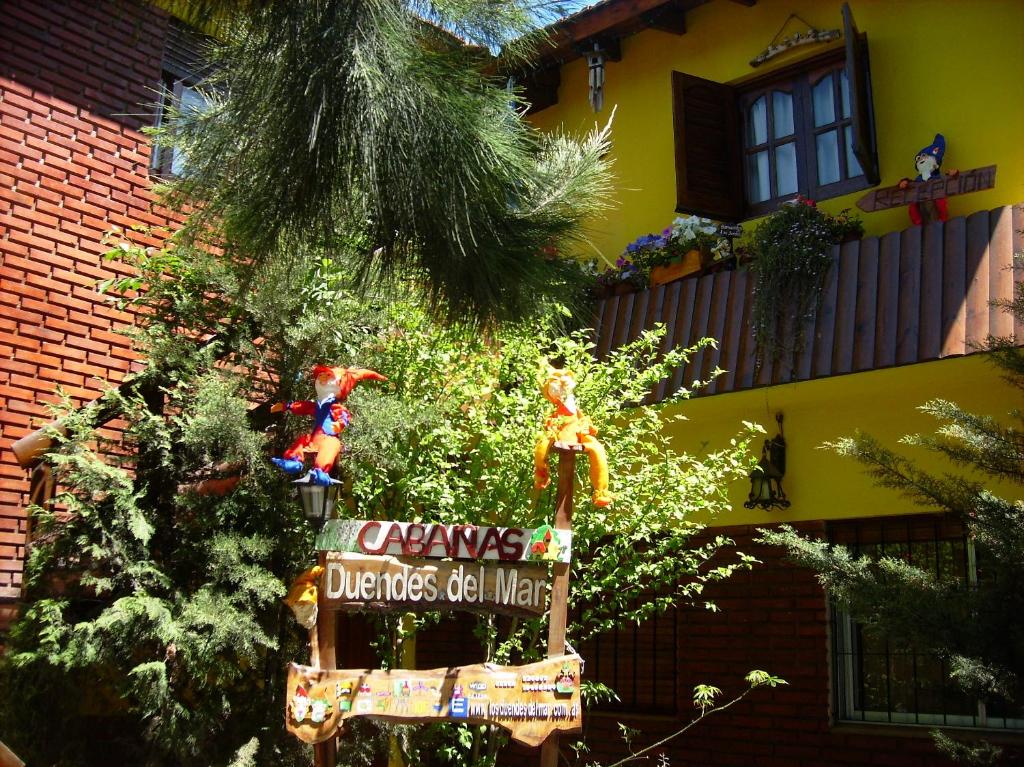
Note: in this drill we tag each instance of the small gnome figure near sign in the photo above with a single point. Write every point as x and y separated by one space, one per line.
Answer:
928 163
568 425
330 418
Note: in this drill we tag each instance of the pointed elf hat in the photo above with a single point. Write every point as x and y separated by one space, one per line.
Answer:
936 149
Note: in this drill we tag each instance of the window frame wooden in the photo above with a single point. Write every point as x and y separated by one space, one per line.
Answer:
801 85
709 125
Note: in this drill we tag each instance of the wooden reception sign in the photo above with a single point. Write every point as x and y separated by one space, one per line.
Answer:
974 180
413 539
384 583
529 701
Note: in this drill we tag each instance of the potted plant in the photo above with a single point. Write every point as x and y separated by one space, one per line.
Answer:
691 244
791 254
688 246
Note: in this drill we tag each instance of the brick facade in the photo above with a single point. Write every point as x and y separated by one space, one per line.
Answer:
772 618
76 79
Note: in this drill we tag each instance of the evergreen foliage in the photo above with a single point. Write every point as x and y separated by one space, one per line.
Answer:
154 631
331 118
348 142
976 629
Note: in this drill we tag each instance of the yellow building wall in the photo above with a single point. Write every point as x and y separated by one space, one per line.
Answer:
937 66
882 403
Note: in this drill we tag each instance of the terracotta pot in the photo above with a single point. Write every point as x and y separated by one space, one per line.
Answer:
691 263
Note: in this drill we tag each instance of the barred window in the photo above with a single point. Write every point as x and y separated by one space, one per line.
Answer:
878 680
639 662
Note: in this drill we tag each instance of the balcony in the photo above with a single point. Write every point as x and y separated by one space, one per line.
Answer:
912 296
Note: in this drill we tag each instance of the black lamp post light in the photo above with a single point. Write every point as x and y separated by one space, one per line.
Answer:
766 478
318 501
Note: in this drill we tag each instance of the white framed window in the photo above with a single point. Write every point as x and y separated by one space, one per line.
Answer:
183 72
878 680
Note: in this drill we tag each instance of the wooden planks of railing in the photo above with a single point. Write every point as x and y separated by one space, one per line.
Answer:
921 294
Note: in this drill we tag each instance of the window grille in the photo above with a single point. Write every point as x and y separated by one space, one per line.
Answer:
639 662
878 680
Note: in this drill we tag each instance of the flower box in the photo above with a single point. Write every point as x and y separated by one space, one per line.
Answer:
691 263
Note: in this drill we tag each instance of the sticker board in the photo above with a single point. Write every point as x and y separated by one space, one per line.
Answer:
383 583
413 539
530 701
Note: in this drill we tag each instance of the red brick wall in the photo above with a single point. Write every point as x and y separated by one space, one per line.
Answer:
75 79
772 618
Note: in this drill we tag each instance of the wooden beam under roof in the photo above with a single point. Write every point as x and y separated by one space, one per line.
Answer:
615 18
670 18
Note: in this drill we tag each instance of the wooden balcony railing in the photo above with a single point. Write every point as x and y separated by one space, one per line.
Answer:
921 294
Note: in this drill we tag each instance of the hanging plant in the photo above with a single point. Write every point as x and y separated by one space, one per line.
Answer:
792 253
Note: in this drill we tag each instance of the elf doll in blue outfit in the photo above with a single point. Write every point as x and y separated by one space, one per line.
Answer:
330 418
928 163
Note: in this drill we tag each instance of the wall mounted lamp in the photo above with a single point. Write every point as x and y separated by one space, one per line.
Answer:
318 502
595 66
766 478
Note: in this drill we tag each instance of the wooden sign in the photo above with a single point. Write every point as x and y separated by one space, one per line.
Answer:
413 539
384 583
935 189
529 701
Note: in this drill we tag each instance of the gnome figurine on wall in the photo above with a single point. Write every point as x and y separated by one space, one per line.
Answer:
568 425
330 417
928 163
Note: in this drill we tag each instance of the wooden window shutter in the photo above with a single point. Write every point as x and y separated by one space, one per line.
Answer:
708 174
860 97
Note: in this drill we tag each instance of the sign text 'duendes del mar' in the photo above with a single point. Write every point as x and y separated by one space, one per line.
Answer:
433 541
384 583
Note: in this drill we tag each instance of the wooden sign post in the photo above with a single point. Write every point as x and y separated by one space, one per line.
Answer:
389 566
323 654
560 582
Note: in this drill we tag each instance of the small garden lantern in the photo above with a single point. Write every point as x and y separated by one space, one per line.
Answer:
318 502
766 478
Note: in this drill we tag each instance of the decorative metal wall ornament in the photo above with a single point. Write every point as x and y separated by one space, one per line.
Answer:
766 478
595 66
810 35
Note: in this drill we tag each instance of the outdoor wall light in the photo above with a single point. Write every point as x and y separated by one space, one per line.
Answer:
595 66
318 502
766 478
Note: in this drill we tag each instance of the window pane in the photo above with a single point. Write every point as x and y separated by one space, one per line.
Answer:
782 113
757 122
785 169
192 104
873 694
757 177
192 101
824 102
852 164
844 89
828 157
901 683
